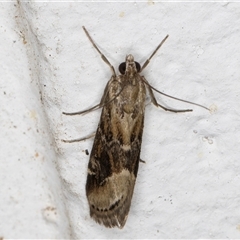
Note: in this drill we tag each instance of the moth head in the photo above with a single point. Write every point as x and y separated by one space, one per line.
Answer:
129 67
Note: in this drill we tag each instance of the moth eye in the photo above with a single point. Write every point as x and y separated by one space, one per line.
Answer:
138 66
122 68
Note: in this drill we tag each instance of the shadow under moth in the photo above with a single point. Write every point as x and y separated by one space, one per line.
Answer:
115 155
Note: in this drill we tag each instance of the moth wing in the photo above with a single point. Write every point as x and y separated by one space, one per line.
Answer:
114 159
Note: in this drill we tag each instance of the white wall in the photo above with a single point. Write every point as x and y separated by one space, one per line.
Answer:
189 186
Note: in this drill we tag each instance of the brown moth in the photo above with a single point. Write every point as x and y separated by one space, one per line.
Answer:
115 155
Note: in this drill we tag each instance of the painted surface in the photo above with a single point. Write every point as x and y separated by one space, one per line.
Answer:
189 186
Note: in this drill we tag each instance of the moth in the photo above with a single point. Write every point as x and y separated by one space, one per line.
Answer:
115 155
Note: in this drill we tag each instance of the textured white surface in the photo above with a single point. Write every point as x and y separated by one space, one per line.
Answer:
189 186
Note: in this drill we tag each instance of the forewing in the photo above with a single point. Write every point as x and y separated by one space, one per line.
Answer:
115 155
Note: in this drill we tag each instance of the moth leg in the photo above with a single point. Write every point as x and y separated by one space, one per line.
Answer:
142 161
154 101
179 99
79 139
84 111
101 104
102 55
